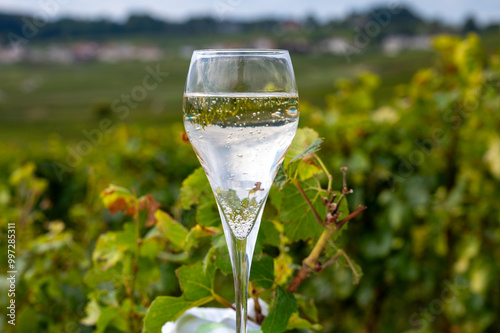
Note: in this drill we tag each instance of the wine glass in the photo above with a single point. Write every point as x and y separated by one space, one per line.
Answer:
240 115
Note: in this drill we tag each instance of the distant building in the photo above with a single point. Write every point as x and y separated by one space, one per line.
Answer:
10 55
299 45
258 43
393 45
85 51
60 54
81 51
335 45
290 25
126 52
263 43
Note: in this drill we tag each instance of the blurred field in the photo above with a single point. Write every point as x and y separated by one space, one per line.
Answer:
419 133
36 100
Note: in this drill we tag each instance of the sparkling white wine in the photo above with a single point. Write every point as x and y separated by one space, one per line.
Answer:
240 140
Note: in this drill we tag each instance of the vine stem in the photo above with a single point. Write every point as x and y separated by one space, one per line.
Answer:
135 267
259 317
135 260
325 170
311 262
338 254
224 302
309 203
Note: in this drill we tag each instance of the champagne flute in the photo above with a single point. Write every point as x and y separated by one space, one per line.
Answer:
240 115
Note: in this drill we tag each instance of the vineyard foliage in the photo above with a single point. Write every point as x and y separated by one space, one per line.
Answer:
123 235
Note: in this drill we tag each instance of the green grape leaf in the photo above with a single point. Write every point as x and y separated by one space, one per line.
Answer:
27 320
112 317
117 199
166 308
198 232
276 197
223 261
219 240
492 157
106 253
22 173
444 100
193 187
305 143
299 220
280 179
280 312
151 206
195 281
262 273
96 275
150 248
308 308
268 234
307 169
356 270
197 284
92 313
148 273
52 242
172 230
296 322
304 137
207 213
220 254
127 238
313 147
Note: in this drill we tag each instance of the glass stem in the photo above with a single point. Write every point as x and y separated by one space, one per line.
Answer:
241 271
241 253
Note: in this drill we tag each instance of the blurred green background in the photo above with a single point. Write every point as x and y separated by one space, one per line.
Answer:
413 110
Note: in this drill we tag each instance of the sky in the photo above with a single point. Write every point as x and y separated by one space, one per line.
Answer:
452 11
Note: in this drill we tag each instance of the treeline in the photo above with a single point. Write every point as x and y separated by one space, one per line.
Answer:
403 21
